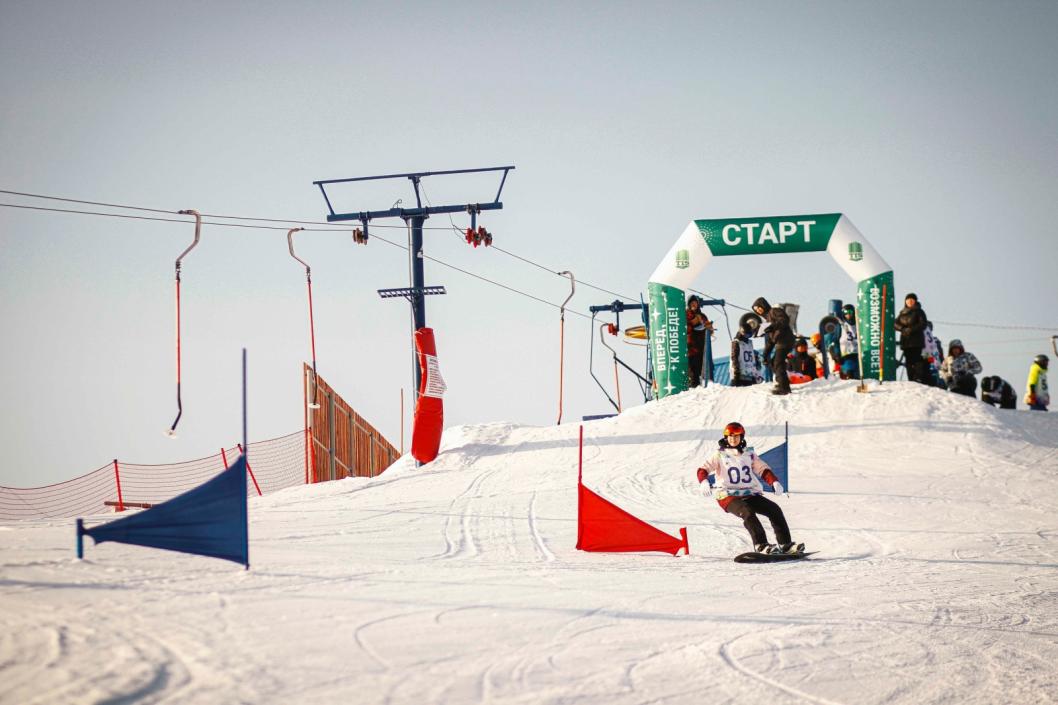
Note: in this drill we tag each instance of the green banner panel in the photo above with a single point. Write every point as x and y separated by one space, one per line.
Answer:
768 235
668 338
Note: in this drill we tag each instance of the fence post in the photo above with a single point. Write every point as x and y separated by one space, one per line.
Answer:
255 485
117 481
305 408
371 454
332 470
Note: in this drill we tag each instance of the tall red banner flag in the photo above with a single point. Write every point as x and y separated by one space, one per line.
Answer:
429 408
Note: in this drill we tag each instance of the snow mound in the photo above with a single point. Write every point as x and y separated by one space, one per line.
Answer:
936 578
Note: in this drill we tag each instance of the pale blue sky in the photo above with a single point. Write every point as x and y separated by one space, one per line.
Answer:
932 125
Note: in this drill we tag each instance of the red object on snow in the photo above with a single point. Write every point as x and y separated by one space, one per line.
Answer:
606 528
429 408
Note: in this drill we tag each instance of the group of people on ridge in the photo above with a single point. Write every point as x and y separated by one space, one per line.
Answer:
924 357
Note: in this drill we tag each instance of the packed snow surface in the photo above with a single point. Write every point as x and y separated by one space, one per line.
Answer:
935 518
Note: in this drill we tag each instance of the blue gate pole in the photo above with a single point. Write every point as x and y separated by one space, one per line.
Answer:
418 300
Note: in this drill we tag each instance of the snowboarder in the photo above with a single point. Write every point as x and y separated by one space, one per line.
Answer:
959 368
780 341
911 322
738 473
745 369
1037 396
997 391
846 349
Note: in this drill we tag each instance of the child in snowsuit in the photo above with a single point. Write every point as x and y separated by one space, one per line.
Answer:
738 473
1037 396
745 371
996 391
959 368
816 351
801 361
933 353
846 350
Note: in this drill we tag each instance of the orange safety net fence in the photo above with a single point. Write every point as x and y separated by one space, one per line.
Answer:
275 464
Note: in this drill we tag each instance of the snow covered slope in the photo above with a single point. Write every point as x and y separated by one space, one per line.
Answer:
936 581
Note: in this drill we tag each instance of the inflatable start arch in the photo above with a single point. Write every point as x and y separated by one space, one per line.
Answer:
704 239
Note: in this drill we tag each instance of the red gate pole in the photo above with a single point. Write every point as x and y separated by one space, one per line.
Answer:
305 407
255 485
117 480
223 458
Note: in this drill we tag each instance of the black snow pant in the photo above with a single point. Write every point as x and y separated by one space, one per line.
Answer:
694 365
747 509
778 368
916 366
965 385
738 382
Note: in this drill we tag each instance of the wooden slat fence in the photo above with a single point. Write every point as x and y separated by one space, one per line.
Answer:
343 443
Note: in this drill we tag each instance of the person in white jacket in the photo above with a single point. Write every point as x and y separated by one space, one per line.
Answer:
737 473
959 368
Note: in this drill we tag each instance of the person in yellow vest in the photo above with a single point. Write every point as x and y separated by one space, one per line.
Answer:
1037 395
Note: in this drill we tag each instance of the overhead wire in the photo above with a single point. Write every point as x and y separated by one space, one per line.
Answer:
204 215
333 228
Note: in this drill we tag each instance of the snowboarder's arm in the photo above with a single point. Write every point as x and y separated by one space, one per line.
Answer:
736 353
975 364
763 470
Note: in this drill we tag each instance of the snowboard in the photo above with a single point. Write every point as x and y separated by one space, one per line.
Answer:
754 557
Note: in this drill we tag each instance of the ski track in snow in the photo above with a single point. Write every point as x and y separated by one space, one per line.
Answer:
936 579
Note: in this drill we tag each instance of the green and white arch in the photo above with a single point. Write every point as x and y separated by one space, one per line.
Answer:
702 240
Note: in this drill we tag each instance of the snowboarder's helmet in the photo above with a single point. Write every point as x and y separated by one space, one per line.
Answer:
1040 360
816 339
848 309
800 342
734 429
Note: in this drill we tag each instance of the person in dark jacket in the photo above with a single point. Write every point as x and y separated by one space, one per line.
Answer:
801 361
911 324
780 340
997 391
696 332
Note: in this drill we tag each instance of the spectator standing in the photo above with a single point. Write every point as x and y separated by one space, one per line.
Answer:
911 323
996 391
846 349
959 368
780 341
1037 396
745 370
696 331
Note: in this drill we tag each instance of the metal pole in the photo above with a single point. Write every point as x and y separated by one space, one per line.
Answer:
418 301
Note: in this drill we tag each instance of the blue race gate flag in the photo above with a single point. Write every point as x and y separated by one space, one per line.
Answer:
778 458
209 520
